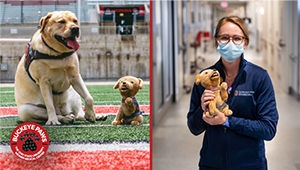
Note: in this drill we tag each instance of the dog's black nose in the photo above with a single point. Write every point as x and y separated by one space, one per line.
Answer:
214 69
75 30
124 82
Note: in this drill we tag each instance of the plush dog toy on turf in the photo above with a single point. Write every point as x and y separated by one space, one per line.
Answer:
211 79
129 112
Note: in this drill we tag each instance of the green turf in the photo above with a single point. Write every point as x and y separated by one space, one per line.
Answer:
84 133
7 96
90 133
106 95
102 95
15 121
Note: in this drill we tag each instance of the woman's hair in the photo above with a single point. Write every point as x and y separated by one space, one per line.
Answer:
235 20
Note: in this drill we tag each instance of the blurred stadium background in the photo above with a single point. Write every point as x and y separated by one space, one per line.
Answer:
114 35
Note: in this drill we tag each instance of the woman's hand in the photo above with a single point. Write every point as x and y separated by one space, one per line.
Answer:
206 97
219 119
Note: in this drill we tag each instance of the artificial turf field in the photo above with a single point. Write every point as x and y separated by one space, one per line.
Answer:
106 101
84 131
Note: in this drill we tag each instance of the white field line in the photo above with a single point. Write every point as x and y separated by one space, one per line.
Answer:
96 102
97 94
114 94
146 101
7 92
109 114
86 83
7 103
142 146
71 126
111 105
14 39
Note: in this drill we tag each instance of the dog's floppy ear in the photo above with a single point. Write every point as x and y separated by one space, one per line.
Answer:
44 21
221 79
198 80
117 84
141 86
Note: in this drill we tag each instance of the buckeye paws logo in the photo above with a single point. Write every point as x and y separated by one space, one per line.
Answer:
29 141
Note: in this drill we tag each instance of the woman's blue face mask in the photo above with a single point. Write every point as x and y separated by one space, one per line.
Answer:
230 52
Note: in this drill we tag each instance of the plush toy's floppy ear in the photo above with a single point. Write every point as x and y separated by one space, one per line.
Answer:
44 21
198 80
117 84
141 84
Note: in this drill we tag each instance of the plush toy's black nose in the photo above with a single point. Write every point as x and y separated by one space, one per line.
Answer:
124 82
75 30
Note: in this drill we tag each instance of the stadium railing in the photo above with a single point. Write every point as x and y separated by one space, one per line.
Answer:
85 30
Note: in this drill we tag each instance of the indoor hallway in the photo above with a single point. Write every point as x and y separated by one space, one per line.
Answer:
174 147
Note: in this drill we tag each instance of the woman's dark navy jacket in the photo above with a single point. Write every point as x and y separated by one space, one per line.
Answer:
254 119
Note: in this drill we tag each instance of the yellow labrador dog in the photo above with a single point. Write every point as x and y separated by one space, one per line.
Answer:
48 78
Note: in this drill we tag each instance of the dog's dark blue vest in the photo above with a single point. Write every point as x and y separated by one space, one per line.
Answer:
137 109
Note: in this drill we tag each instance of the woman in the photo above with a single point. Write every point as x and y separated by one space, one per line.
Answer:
235 142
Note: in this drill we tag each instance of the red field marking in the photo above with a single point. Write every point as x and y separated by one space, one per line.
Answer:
5 111
81 160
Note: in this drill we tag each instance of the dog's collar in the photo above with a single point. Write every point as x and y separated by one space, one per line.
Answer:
31 55
214 88
221 106
47 44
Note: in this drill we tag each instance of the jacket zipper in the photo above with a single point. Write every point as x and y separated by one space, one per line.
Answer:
226 142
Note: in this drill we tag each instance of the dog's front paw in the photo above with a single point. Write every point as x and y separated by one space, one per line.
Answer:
101 117
53 121
209 115
135 123
90 118
228 112
129 101
116 123
67 119
89 114
224 85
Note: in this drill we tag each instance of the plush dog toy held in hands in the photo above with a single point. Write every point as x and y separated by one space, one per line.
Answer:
129 112
211 79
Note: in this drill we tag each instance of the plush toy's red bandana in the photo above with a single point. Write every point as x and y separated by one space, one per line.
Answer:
214 88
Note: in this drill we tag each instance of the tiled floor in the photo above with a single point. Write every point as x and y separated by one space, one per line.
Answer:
174 147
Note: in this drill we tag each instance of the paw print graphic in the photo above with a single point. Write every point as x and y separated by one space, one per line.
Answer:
36 138
32 134
29 143
22 138
26 134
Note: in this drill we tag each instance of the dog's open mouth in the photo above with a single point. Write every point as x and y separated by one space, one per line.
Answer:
215 75
69 42
124 88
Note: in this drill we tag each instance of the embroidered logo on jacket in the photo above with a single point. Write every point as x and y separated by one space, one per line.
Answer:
243 93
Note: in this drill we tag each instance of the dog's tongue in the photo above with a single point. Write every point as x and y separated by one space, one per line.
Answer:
73 44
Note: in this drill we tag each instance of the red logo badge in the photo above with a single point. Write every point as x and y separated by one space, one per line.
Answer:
29 141
236 93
